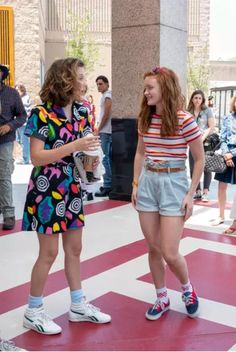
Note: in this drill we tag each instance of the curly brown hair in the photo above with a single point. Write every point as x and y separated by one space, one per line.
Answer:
61 81
172 102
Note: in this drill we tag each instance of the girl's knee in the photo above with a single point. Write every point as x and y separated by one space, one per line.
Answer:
154 250
170 257
74 251
49 256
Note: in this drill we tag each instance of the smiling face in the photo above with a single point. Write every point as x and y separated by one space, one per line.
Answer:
152 92
81 83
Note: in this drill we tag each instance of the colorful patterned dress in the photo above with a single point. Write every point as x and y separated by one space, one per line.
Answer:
53 202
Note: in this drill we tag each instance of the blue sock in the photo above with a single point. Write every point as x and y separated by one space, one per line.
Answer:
35 302
76 295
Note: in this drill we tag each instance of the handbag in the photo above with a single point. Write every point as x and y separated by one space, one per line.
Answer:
211 142
214 162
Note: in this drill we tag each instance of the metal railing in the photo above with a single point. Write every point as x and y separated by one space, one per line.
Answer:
222 97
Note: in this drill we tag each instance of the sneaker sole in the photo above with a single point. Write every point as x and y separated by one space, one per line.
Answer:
152 317
88 319
32 327
194 315
6 227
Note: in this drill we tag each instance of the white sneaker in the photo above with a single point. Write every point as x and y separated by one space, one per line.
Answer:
36 319
217 221
205 197
6 345
84 311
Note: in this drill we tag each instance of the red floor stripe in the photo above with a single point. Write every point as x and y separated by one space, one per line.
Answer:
57 281
96 265
212 204
88 209
130 331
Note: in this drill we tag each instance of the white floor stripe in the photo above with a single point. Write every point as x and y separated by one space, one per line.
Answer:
233 348
115 228
103 232
123 280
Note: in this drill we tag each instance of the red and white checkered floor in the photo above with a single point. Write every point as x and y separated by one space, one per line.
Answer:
116 278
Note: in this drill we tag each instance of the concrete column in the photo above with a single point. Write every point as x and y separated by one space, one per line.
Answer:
144 34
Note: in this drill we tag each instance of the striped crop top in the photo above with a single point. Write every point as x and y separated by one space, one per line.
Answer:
170 148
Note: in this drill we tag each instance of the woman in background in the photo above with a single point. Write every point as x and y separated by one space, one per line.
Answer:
20 136
228 150
203 115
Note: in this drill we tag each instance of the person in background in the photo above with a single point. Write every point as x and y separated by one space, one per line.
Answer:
104 131
211 105
206 122
231 230
228 150
210 101
57 129
86 190
161 193
12 116
93 108
20 136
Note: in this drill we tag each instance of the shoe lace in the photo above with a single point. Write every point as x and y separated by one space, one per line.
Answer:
45 317
158 305
8 345
190 299
92 307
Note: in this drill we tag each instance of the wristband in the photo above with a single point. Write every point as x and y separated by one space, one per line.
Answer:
135 183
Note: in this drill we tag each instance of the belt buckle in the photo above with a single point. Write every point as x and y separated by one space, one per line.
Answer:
168 169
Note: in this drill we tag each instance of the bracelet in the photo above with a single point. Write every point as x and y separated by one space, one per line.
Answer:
135 183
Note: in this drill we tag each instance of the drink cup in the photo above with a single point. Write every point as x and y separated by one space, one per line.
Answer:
88 162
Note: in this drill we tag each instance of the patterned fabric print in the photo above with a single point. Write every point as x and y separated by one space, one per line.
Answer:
53 202
91 114
228 134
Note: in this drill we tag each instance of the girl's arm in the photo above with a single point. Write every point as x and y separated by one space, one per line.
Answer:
197 151
224 135
40 156
138 164
210 129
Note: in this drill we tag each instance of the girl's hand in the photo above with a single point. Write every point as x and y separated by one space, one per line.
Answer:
87 144
230 163
95 164
4 130
187 206
134 196
228 156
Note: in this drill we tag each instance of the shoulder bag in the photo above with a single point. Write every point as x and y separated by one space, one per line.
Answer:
215 162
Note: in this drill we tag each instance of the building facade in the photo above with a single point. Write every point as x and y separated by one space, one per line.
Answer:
198 45
38 33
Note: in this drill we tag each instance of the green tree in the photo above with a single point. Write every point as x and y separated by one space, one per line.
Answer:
80 42
198 70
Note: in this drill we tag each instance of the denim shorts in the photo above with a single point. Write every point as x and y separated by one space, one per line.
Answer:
162 192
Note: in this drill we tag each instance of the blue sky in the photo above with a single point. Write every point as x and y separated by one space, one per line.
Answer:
222 29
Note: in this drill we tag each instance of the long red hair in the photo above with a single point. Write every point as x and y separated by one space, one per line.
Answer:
172 102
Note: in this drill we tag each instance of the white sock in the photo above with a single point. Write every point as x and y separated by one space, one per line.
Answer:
162 295
187 287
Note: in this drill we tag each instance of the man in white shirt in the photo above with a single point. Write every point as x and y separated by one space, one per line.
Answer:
104 131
